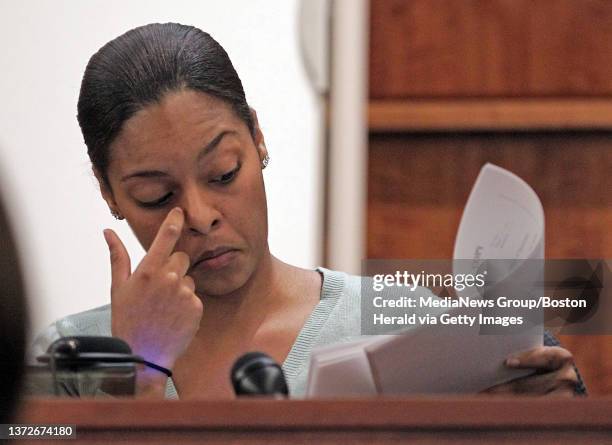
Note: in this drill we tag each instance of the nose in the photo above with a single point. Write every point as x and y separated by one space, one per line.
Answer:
201 213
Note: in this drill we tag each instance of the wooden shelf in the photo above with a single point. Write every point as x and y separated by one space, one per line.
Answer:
490 114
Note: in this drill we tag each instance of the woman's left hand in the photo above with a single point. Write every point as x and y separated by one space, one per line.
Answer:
554 373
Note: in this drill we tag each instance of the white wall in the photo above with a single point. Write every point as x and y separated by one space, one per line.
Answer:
44 171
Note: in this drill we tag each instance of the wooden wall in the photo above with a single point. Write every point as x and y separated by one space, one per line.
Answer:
525 84
490 48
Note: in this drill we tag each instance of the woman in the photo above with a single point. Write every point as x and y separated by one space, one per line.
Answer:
179 155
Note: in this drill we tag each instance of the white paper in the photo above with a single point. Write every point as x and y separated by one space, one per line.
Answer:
503 219
341 370
445 359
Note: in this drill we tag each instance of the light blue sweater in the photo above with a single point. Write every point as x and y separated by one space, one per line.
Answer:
336 318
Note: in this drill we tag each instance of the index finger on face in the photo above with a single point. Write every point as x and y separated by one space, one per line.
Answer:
168 234
549 358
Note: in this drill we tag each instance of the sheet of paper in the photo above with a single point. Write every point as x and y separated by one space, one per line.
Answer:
341 370
503 219
444 360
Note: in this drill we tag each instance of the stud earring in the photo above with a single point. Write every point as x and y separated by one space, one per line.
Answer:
116 214
265 161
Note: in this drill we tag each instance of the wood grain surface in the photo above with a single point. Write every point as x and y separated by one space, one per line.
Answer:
490 48
516 114
359 421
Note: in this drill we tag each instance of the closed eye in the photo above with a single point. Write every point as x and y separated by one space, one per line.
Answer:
158 202
227 177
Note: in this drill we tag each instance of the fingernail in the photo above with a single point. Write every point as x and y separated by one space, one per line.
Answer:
512 362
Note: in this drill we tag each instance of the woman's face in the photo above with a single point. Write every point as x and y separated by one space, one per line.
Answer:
190 150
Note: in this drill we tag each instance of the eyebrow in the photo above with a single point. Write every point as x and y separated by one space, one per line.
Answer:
205 151
213 144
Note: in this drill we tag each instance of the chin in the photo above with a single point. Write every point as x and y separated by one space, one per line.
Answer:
220 282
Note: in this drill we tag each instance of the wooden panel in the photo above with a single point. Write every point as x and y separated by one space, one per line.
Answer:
491 114
490 48
372 421
418 185
380 412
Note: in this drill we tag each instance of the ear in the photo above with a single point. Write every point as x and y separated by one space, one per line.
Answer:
258 138
107 193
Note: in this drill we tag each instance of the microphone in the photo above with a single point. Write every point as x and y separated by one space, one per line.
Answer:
257 374
82 365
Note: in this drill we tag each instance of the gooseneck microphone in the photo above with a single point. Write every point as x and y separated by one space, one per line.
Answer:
86 363
257 374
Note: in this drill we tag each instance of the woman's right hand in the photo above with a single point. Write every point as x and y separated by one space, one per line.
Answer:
155 308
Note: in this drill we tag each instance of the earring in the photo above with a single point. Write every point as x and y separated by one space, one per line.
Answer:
116 214
265 161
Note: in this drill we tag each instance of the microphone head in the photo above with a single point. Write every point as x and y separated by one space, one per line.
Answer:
256 373
90 344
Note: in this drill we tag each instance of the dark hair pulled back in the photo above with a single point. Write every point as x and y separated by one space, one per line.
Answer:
137 68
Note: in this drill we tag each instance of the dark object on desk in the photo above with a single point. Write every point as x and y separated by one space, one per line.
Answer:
13 321
89 366
257 374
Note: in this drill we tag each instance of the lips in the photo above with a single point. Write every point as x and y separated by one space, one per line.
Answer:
215 259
